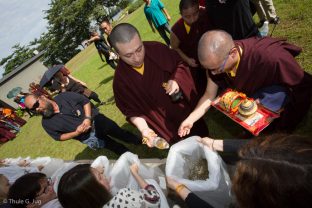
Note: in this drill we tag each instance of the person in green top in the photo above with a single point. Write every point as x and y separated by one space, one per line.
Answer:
158 17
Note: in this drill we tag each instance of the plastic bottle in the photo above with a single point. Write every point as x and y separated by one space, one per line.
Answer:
264 30
160 143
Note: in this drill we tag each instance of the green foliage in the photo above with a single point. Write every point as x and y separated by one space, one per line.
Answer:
68 25
123 4
18 57
19 112
99 13
69 22
135 5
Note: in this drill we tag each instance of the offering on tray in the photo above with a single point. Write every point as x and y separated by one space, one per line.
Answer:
248 107
244 111
231 100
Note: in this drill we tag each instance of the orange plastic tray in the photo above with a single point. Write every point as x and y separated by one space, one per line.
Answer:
255 123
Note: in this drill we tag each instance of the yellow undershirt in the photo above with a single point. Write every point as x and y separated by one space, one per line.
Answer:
139 69
187 27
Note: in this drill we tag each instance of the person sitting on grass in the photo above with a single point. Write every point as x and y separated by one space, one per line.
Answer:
70 115
86 187
62 81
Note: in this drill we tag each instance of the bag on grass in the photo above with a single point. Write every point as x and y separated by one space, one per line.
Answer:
216 189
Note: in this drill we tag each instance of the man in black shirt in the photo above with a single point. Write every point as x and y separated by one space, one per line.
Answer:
233 16
103 48
70 115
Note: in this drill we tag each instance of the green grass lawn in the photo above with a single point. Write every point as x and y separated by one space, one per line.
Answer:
296 21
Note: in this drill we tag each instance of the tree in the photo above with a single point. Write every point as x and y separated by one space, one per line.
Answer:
17 58
69 22
68 25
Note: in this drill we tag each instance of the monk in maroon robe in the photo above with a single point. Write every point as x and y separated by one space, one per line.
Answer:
185 36
140 90
249 66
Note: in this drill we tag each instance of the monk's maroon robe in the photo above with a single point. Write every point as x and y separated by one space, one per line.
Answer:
189 44
143 96
266 62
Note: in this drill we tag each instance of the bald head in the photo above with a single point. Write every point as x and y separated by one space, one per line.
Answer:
30 100
122 33
215 45
40 104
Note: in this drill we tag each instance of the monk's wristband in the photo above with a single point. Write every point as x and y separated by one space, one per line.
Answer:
88 117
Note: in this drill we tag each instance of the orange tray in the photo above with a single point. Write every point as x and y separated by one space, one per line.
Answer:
255 123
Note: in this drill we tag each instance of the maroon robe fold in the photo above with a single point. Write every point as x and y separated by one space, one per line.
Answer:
143 96
266 62
189 43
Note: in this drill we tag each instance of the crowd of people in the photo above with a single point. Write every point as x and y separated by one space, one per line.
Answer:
165 90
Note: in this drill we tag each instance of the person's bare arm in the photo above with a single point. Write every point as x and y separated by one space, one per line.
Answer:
83 127
201 108
94 38
180 189
166 13
69 135
143 127
77 80
134 168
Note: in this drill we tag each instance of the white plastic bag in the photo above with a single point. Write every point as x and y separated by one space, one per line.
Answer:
216 190
101 162
121 176
50 165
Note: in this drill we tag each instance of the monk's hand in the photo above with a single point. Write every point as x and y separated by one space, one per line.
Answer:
148 136
192 62
172 87
185 128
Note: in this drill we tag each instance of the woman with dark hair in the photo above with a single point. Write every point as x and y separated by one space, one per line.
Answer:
31 190
86 187
275 171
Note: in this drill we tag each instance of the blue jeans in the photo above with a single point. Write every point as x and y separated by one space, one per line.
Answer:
105 129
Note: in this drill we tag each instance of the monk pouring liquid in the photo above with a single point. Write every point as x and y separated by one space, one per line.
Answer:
158 142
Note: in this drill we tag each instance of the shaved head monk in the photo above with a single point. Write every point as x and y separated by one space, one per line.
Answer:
263 68
152 86
185 35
